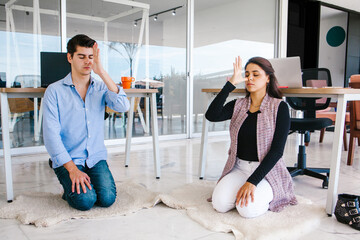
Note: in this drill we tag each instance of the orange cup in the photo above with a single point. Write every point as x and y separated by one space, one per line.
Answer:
126 82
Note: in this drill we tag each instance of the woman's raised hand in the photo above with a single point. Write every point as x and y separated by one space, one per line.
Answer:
237 77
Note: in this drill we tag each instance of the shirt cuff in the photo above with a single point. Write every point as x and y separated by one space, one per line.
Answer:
60 159
114 96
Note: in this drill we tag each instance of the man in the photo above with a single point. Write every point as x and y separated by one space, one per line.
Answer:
73 126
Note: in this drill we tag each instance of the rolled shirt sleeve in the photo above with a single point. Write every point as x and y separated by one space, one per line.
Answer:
117 101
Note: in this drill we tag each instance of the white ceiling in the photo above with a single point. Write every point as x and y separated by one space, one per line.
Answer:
353 5
101 8
96 8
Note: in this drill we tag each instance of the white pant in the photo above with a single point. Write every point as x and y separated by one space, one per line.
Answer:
224 195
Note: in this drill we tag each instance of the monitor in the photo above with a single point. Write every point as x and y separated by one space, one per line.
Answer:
54 66
288 71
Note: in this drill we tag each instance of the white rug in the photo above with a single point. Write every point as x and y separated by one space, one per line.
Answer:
46 209
291 223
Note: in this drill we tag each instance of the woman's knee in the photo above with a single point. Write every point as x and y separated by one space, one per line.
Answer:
222 207
82 201
222 203
252 211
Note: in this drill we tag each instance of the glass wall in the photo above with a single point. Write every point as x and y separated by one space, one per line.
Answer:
222 31
25 31
117 29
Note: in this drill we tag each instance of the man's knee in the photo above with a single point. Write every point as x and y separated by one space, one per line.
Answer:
82 201
106 198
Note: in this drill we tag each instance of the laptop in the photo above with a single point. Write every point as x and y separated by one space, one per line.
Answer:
54 66
288 71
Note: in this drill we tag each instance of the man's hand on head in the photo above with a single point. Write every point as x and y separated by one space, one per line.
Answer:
97 67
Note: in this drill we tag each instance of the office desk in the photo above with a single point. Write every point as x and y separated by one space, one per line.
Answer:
6 93
341 94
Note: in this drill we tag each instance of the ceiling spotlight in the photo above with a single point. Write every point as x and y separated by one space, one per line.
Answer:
135 23
174 12
155 18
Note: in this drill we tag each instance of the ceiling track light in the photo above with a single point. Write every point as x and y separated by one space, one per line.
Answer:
135 23
155 15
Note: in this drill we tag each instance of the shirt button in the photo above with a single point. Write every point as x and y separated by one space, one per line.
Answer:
89 136
86 109
88 122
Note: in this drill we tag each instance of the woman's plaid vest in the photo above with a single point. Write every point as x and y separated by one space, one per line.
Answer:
278 177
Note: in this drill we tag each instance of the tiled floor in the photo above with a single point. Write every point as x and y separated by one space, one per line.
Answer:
179 165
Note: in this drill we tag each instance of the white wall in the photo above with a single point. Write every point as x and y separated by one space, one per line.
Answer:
330 57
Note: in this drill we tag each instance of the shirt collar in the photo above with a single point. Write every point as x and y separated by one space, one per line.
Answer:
68 80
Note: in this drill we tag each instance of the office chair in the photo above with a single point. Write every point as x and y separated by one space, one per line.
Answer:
309 123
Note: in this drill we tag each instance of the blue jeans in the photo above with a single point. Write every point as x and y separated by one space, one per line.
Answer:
103 192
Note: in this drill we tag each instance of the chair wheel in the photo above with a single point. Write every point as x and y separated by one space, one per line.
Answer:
325 184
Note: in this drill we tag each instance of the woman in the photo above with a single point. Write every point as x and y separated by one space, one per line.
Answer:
255 177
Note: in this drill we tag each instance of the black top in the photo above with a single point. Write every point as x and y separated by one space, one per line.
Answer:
247 143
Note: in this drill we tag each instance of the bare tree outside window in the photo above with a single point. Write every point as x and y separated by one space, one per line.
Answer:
130 52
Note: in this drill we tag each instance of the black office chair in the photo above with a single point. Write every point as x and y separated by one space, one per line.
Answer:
309 123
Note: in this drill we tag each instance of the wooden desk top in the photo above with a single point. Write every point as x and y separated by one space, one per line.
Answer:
22 90
140 90
297 90
42 90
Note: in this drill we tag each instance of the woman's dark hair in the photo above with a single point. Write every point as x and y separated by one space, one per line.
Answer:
272 87
79 40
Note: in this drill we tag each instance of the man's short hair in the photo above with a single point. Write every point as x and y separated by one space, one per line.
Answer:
79 40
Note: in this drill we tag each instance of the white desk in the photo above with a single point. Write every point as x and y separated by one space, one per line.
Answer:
150 93
6 93
341 94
